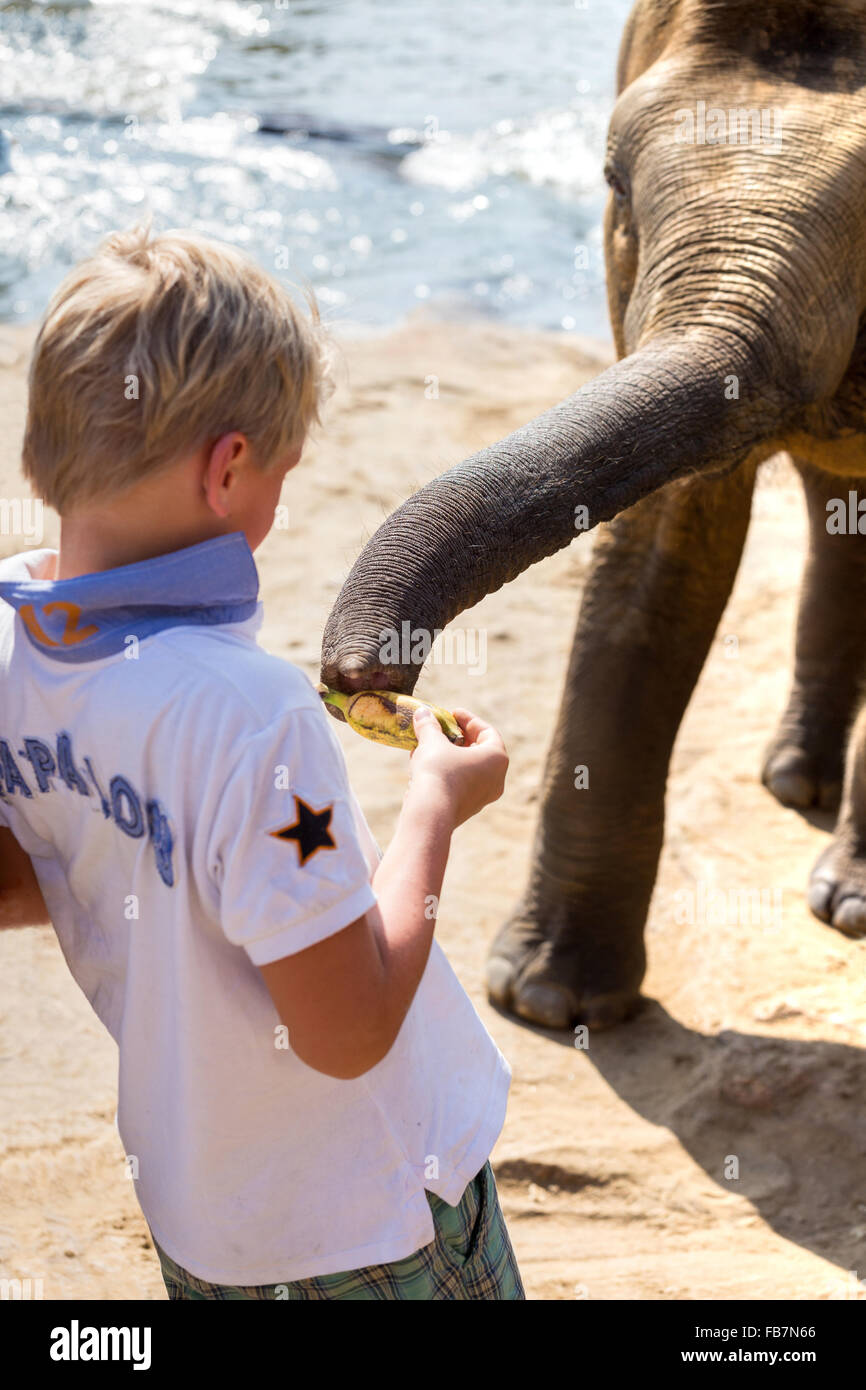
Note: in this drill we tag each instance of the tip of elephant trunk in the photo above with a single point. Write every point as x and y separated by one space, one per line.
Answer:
350 674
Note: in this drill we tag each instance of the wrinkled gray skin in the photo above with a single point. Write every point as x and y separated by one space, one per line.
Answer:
724 260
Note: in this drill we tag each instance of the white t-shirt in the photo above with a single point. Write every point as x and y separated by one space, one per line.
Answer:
184 798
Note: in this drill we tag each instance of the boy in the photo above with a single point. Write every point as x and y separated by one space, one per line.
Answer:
307 1097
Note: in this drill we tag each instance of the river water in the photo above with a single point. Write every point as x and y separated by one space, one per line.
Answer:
388 152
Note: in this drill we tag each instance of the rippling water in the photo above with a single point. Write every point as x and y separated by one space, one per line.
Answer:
390 152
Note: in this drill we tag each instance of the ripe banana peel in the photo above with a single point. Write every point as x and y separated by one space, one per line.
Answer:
386 717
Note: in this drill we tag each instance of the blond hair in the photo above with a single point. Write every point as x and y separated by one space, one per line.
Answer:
155 346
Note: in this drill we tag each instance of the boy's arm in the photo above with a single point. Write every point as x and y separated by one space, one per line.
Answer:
344 1000
21 901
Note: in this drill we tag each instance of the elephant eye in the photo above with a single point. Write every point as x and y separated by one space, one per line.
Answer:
616 182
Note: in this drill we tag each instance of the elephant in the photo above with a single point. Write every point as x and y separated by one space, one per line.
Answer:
735 250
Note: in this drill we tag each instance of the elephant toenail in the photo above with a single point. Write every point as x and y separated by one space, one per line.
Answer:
499 976
552 1006
791 788
820 897
850 916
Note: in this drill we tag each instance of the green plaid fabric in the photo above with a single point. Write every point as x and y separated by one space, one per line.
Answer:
470 1257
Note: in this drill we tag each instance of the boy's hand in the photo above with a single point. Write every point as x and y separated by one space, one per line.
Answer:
470 777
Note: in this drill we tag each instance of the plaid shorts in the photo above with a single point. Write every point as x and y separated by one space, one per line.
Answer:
469 1257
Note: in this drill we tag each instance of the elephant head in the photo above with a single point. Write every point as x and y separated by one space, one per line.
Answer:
736 281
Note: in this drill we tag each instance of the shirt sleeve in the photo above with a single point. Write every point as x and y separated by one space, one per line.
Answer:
284 852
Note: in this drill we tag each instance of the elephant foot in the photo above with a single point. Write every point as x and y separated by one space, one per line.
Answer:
543 970
837 889
804 765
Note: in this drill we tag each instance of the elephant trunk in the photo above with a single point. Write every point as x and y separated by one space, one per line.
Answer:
669 409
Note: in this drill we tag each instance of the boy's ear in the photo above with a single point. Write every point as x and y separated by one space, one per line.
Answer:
223 460
297 452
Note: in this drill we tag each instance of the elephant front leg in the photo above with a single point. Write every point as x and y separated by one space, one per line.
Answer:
837 888
573 948
804 764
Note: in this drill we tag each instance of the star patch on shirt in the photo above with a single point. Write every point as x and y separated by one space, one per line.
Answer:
310 831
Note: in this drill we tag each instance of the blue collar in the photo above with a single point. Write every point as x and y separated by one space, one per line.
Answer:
94 615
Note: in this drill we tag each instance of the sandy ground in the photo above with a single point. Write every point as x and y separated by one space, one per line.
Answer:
612 1164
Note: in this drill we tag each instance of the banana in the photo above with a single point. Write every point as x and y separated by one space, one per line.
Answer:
384 716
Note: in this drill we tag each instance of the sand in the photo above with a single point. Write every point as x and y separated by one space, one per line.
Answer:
614 1166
